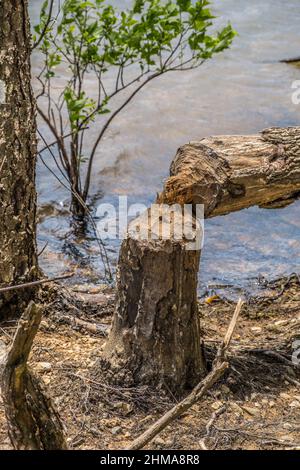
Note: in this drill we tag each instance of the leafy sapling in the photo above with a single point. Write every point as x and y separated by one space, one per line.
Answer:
121 51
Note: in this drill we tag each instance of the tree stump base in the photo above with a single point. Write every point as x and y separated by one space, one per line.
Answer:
155 337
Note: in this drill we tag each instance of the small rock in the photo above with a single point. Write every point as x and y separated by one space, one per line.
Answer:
216 405
169 443
271 403
256 329
126 407
44 366
44 324
295 404
159 441
116 430
285 396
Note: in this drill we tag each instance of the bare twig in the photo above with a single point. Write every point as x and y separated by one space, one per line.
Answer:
35 283
209 425
42 250
2 163
105 127
47 23
292 381
102 248
220 365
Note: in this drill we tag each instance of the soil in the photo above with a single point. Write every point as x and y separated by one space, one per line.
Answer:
255 406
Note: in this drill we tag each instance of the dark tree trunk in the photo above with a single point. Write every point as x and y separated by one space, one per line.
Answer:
78 209
155 333
18 258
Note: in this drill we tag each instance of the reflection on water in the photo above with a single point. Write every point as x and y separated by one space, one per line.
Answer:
243 91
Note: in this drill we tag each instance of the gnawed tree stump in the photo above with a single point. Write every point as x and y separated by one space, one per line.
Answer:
155 333
155 329
33 422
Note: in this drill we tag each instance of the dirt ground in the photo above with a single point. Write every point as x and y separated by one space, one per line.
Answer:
255 406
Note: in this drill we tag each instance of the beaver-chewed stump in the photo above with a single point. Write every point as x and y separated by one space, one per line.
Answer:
155 333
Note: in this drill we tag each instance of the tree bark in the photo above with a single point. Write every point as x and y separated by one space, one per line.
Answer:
18 258
155 333
33 423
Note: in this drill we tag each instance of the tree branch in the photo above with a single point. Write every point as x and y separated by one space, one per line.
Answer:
48 21
126 102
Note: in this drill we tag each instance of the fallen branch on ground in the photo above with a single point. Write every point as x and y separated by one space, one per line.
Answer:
220 365
35 283
94 328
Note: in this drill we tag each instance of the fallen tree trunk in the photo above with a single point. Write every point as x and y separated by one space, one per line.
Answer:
230 173
33 423
155 331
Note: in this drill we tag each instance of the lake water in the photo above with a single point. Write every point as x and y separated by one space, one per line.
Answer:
242 91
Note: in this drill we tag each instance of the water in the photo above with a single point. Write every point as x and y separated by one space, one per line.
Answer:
242 91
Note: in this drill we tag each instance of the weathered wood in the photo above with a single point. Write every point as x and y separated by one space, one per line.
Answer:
230 173
33 422
155 332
